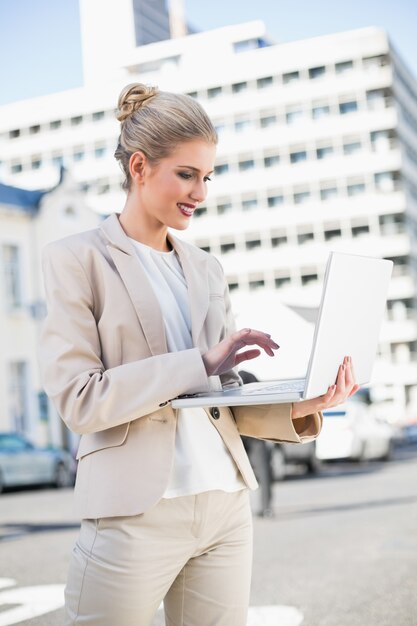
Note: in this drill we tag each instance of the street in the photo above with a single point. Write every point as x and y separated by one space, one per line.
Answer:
341 550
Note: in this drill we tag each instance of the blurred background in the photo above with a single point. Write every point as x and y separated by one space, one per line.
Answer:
317 151
316 111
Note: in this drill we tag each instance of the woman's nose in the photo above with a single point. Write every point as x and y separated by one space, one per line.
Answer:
199 191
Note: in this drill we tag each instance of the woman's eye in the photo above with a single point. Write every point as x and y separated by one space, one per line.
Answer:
185 175
207 178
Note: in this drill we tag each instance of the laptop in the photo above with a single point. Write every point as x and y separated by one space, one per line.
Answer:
349 321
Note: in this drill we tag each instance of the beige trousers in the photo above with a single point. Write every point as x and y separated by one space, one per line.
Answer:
193 552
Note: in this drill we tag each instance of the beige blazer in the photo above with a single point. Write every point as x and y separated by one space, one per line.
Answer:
105 366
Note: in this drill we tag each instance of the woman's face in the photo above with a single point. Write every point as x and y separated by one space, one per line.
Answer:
171 190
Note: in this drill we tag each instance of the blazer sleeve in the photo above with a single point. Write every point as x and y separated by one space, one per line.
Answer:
272 421
88 397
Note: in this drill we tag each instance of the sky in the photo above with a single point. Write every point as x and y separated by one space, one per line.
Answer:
40 44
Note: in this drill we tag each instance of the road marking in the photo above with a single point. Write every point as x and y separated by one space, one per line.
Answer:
274 615
42 599
32 601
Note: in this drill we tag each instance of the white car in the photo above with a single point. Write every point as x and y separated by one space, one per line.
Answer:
351 431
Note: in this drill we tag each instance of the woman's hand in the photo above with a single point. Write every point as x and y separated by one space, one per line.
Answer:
336 394
223 357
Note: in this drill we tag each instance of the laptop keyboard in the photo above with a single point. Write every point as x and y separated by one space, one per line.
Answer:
282 387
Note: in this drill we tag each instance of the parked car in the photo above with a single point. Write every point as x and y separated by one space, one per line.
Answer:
351 431
284 454
22 464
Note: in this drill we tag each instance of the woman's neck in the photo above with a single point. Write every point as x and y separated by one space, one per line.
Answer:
139 227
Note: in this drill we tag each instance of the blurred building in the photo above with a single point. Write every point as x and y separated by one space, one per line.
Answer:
28 221
317 152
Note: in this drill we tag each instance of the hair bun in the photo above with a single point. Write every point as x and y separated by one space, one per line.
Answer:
132 98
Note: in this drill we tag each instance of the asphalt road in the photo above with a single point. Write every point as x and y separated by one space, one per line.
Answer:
341 550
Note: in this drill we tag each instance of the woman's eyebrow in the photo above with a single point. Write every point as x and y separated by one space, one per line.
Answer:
194 168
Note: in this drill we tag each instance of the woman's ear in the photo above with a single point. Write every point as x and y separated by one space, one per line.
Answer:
137 166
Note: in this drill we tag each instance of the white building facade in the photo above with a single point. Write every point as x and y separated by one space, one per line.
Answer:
317 152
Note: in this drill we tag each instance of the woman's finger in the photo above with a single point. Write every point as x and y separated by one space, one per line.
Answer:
246 356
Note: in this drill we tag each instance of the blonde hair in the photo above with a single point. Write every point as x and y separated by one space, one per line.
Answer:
156 122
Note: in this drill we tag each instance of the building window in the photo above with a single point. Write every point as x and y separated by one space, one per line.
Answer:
58 161
290 77
269 120
220 128
297 157
16 168
293 115
266 81
355 189
98 115
248 164
14 133
249 204
18 395
239 87
79 155
201 210
320 111
192 94
305 237
348 107
382 140
282 281
323 153
99 152
270 161
220 169
206 249
11 276
301 196
316 72
226 207
386 181
55 124
334 233
76 120
233 286
343 67
274 201
357 231
307 279
227 247
328 193
214 92
279 240
242 125
392 224
375 62
36 163
352 148
252 244
34 130
256 284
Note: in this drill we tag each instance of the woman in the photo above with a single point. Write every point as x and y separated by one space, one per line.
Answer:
135 318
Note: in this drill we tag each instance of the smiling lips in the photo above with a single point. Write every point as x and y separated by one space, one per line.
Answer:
187 209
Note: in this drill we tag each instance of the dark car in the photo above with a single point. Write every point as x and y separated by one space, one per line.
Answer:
284 454
23 464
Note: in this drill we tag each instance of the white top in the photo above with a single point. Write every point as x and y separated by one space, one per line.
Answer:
201 460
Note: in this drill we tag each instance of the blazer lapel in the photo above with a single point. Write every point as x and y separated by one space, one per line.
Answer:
137 284
196 274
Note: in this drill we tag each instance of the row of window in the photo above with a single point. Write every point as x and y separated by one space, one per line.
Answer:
327 190
380 141
263 82
57 158
386 225
71 122
295 277
302 111
312 73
